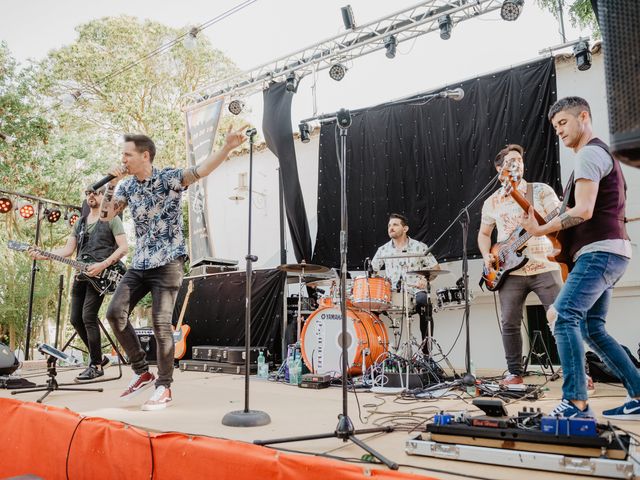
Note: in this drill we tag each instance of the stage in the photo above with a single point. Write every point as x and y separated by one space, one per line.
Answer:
202 399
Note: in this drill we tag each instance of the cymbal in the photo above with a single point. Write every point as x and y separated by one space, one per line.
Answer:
327 282
429 273
303 268
403 255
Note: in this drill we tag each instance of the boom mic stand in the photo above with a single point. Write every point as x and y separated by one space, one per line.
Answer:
345 429
246 417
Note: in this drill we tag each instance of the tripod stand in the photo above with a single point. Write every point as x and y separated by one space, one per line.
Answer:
544 358
345 429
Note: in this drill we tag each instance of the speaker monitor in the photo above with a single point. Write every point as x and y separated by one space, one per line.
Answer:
619 23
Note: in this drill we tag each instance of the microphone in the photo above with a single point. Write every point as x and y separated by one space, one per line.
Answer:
456 94
251 132
102 181
369 267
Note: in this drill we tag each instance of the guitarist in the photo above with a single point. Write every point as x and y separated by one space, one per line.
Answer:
102 244
538 275
600 250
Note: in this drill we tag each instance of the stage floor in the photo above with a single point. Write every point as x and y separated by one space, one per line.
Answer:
202 399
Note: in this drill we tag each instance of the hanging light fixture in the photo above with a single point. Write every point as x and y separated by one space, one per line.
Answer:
305 134
347 18
72 218
582 54
236 106
5 205
511 10
52 215
26 210
337 71
292 83
190 41
390 44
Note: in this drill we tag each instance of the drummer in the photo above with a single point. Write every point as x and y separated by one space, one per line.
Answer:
395 268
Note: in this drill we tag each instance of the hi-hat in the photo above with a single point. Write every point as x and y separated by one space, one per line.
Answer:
403 255
429 273
303 268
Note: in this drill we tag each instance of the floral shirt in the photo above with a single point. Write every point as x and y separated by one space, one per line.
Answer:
394 268
504 213
157 214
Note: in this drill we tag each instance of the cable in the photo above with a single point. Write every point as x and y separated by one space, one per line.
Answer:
66 466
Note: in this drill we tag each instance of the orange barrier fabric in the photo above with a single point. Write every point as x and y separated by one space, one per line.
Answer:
52 442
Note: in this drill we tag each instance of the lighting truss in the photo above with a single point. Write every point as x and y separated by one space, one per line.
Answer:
406 24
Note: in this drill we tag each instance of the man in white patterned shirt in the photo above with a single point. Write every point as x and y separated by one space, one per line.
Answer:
153 196
396 268
538 275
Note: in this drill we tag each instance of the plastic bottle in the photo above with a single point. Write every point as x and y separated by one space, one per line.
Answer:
294 370
263 366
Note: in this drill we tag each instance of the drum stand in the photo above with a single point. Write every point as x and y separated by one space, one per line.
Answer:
345 429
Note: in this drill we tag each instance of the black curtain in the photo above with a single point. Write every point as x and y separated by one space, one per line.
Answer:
216 310
276 125
429 160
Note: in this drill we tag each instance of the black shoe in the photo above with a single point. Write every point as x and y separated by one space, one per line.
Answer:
90 373
105 362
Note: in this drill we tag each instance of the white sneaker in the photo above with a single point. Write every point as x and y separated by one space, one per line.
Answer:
159 400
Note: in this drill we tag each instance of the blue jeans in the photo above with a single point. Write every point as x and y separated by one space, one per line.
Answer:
582 307
163 283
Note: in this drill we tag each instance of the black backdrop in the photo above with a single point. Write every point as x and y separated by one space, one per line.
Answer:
428 161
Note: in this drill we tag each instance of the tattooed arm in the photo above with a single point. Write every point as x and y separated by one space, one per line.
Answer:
111 206
586 192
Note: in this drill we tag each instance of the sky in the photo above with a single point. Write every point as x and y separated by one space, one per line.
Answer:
268 29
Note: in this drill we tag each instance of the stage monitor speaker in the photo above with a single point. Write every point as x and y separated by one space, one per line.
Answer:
8 361
619 23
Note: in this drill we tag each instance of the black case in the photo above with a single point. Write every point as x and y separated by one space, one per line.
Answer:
207 352
236 355
215 367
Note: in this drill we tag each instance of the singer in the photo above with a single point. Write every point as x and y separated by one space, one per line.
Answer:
395 269
153 197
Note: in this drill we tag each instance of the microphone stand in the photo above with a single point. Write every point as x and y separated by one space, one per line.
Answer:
345 429
246 417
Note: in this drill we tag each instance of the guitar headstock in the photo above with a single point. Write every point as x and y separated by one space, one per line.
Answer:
18 246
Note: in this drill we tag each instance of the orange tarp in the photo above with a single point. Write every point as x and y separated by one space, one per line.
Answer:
56 443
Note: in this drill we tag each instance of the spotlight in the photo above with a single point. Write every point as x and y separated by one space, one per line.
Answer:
26 210
305 135
511 10
236 107
5 205
190 41
390 44
583 55
53 215
292 83
337 71
72 219
446 26
347 18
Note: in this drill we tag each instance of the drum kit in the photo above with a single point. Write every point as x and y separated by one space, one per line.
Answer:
373 308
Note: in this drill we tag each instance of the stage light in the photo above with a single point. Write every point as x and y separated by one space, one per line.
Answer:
292 83
5 205
337 71
190 41
305 134
582 53
511 10
236 106
26 210
390 44
348 18
72 218
53 215
446 26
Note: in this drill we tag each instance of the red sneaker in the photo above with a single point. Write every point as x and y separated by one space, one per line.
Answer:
512 379
138 384
159 400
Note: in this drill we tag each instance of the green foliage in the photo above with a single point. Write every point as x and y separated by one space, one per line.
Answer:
580 13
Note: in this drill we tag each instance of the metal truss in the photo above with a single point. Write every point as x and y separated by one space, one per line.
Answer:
406 24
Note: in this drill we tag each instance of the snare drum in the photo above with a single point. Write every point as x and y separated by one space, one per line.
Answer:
321 340
372 293
451 298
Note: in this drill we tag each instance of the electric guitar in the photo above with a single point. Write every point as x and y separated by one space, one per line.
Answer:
105 283
180 332
508 254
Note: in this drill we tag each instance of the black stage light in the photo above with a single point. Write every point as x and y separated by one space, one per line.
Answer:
347 18
583 55
446 25
292 83
390 44
5 205
72 218
511 10
305 135
337 71
53 215
236 107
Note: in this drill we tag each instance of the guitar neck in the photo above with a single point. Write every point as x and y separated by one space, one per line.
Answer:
522 239
74 263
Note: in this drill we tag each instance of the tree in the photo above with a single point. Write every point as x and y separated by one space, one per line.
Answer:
580 13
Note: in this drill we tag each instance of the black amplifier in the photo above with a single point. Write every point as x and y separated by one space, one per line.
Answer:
148 343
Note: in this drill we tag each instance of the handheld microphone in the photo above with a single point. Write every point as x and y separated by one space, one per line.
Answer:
456 94
102 181
251 132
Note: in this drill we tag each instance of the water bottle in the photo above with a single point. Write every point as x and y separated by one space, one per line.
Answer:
294 370
263 366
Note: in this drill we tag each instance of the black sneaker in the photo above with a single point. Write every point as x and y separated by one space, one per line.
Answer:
90 373
105 362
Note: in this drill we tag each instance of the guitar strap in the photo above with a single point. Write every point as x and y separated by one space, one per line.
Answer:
566 194
529 194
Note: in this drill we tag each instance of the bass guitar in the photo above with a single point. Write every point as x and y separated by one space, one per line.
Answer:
105 283
180 332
